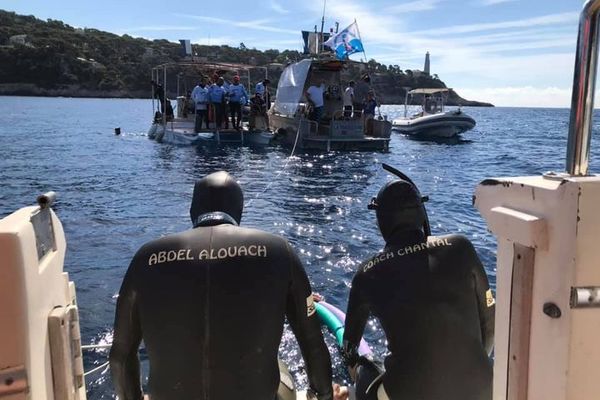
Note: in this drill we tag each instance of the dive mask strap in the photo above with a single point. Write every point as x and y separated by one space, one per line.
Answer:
214 218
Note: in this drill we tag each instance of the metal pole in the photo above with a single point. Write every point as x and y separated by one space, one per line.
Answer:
363 46
164 105
320 47
584 81
153 94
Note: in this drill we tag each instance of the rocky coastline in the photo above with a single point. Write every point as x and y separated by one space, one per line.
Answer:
76 91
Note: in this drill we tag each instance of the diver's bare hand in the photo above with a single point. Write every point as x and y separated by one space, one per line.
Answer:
340 392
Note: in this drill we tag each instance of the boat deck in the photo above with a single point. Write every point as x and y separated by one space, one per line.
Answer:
188 126
181 131
340 143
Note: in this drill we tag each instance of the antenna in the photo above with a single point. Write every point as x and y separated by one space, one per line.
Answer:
322 24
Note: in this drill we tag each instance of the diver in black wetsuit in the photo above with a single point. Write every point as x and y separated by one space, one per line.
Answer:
210 305
432 298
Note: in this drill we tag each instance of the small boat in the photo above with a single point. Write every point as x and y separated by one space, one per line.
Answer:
181 133
289 115
179 129
432 121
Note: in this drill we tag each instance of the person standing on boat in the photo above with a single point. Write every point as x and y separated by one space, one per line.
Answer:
257 109
361 90
369 112
433 300
348 99
262 87
216 95
314 94
210 305
226 86
237 98
200 98
159 93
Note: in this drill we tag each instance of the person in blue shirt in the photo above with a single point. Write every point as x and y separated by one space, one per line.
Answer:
263 89
369 112
216 95
237 97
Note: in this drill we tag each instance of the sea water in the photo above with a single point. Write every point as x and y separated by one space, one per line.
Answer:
117 192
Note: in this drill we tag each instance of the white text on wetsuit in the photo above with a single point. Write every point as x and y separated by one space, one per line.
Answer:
166 256
406 250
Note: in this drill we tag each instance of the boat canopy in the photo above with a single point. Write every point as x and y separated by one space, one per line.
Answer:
429 90
291 88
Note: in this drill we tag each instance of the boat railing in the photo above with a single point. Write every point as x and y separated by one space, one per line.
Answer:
308 127
584 81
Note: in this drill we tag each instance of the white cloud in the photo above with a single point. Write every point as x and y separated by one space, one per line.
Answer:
544 20
413 6
218 40
494 2
278 8
156 28
253 24
523 96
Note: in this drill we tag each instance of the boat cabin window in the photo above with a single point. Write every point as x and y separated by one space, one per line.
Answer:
432 105
332 96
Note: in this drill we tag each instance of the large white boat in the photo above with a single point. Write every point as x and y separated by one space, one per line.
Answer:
432 121
179 129
289 116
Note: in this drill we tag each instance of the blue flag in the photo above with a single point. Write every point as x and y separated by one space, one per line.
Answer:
346 42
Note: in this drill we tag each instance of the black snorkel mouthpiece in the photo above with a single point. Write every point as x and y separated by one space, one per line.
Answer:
400 206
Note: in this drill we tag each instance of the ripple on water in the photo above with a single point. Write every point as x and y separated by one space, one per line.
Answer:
116 193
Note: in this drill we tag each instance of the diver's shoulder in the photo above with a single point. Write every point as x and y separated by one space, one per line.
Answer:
160 242
454 240
375 259
258 233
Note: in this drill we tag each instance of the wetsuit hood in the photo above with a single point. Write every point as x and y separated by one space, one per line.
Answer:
217 193
399 207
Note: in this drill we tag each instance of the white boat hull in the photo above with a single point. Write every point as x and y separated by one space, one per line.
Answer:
181 135
180 138
442 125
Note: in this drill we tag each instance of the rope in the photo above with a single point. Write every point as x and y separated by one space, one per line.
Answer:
105 365
95 346
280 172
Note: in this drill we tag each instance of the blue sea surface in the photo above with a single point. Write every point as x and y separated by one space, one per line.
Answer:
117 192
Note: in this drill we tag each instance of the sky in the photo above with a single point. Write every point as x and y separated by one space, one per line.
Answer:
507 52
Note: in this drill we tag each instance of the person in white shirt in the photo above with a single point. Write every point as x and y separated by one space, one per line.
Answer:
348 99
200 97
314 94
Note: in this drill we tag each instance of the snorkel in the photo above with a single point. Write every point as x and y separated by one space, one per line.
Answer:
373 204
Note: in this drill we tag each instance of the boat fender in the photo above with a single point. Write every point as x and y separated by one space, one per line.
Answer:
152 131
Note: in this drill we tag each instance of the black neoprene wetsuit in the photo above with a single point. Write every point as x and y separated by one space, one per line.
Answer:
210 305
433 301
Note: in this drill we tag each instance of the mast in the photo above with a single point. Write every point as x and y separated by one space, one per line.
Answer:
320 47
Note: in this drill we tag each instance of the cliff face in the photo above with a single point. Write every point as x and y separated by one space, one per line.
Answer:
50 58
